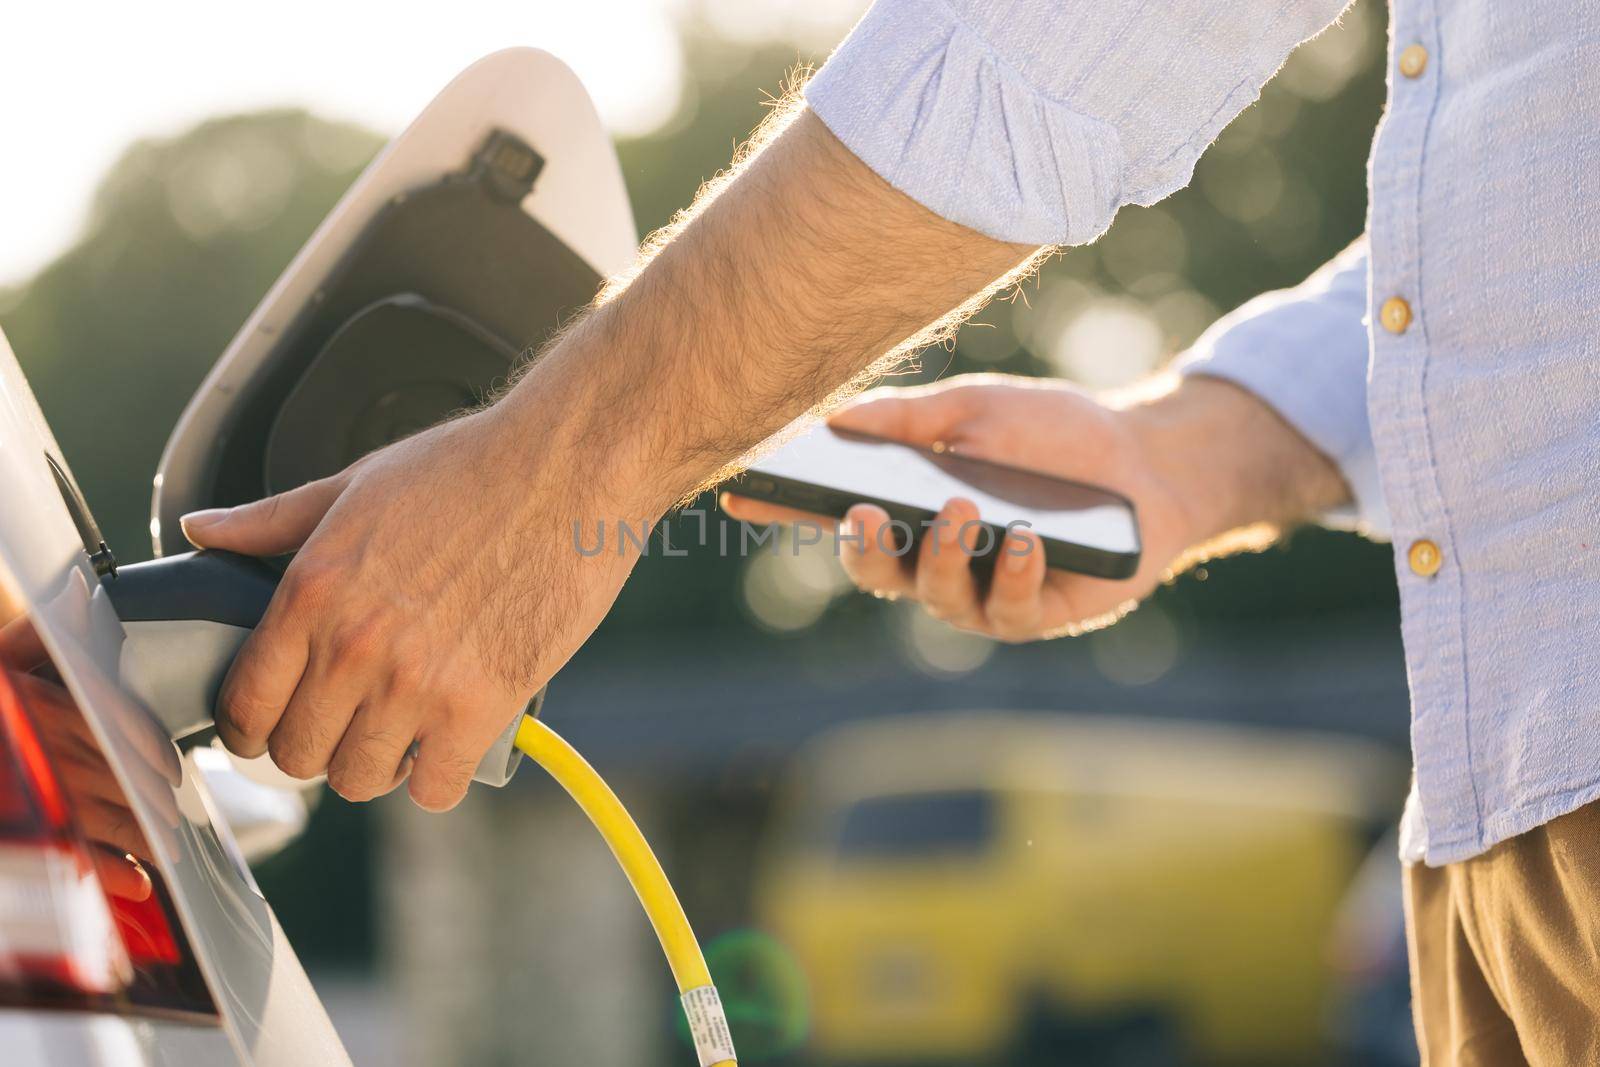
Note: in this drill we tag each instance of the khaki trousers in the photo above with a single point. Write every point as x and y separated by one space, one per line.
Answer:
1505 951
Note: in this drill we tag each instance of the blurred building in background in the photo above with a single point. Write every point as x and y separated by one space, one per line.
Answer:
502 934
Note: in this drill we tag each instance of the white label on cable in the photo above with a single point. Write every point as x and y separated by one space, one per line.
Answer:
708 1025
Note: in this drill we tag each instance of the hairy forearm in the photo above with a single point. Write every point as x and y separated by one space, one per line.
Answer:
785 283
1243 472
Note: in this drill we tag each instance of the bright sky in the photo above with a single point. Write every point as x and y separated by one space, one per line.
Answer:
79 82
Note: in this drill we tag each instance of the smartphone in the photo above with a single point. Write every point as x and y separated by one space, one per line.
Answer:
1083 528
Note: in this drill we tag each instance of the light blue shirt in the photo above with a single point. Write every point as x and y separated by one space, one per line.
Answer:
1473 425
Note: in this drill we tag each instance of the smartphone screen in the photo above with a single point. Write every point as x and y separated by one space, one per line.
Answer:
1083 527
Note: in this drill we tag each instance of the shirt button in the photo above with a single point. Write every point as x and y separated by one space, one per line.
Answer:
1425 558
1395 315
1413 61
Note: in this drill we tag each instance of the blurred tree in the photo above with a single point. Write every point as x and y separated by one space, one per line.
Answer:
183 237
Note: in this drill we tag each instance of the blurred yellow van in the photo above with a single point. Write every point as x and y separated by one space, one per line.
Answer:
965 888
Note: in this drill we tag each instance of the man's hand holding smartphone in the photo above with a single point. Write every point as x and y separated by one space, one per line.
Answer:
1196 461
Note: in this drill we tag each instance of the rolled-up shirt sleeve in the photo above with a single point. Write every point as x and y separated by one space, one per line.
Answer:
1033 121
1305 352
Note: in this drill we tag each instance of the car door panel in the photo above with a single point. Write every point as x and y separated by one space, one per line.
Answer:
268 1011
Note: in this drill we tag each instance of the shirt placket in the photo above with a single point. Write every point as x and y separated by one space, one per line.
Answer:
1425 561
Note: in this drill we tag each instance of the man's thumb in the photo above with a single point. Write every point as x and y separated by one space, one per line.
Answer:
917 416
268 527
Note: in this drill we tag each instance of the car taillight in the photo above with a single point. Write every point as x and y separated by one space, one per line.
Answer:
69 935
57 936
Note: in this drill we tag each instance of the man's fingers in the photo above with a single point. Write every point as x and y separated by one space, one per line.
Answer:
1015 607
90 777
372 757
122 875
305 737
945 583
265 675
442 772
919 415
269 527
64 727
21 648
112 824
759 511
874 552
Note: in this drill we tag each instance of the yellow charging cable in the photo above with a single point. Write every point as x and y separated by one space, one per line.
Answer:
701 1004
